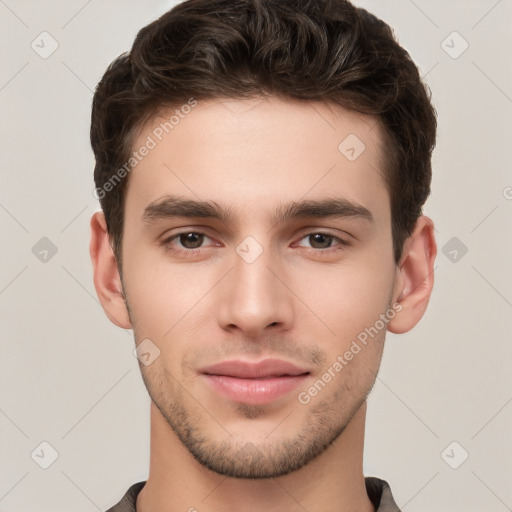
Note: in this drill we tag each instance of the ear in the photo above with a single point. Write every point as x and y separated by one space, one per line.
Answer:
107 280
414 276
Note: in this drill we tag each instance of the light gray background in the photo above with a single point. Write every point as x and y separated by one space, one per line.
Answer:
68 376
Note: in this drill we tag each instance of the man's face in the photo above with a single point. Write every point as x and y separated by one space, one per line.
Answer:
253 286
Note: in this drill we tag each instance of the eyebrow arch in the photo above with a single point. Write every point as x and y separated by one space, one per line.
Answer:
321 208
175 206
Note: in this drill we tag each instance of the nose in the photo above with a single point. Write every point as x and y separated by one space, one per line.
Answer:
254 299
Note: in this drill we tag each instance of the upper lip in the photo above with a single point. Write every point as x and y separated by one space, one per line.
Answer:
248 370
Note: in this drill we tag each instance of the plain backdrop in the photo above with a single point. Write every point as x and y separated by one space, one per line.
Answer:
71 393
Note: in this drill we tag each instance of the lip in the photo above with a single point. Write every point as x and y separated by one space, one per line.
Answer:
247 370
254 383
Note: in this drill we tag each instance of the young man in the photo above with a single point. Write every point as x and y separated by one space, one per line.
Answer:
262 167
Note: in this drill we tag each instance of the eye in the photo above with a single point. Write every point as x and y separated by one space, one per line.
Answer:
185 241
190 242
320 240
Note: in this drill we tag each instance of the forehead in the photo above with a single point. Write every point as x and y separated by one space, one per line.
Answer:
253 153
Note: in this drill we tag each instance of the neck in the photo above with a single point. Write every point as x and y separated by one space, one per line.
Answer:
333 481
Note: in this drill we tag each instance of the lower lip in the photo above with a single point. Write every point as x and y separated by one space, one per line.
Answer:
255 391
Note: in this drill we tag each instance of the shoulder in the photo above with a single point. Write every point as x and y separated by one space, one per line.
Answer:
379 492
129 500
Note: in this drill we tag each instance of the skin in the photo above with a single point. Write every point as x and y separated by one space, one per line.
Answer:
299 301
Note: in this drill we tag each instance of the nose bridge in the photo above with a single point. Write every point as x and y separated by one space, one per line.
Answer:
253 299
251 279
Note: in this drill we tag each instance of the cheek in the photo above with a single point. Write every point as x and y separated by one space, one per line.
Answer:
166 300
351 307
345 300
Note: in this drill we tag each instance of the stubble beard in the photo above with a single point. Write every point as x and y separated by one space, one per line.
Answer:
270 459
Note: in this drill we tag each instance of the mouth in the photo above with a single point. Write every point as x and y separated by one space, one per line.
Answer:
254 383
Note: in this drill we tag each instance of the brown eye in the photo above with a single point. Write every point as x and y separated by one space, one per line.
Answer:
323 241
191 240
186 241
320 240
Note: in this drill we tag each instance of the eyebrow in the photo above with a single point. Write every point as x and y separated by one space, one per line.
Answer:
175 206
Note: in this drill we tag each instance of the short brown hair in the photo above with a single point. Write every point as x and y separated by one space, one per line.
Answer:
321 50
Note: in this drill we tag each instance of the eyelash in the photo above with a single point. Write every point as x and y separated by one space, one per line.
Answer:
342 243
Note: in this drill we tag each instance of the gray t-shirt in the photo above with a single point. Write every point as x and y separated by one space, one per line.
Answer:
378 491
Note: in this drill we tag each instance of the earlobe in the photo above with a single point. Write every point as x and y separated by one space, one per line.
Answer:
106 273
415 276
